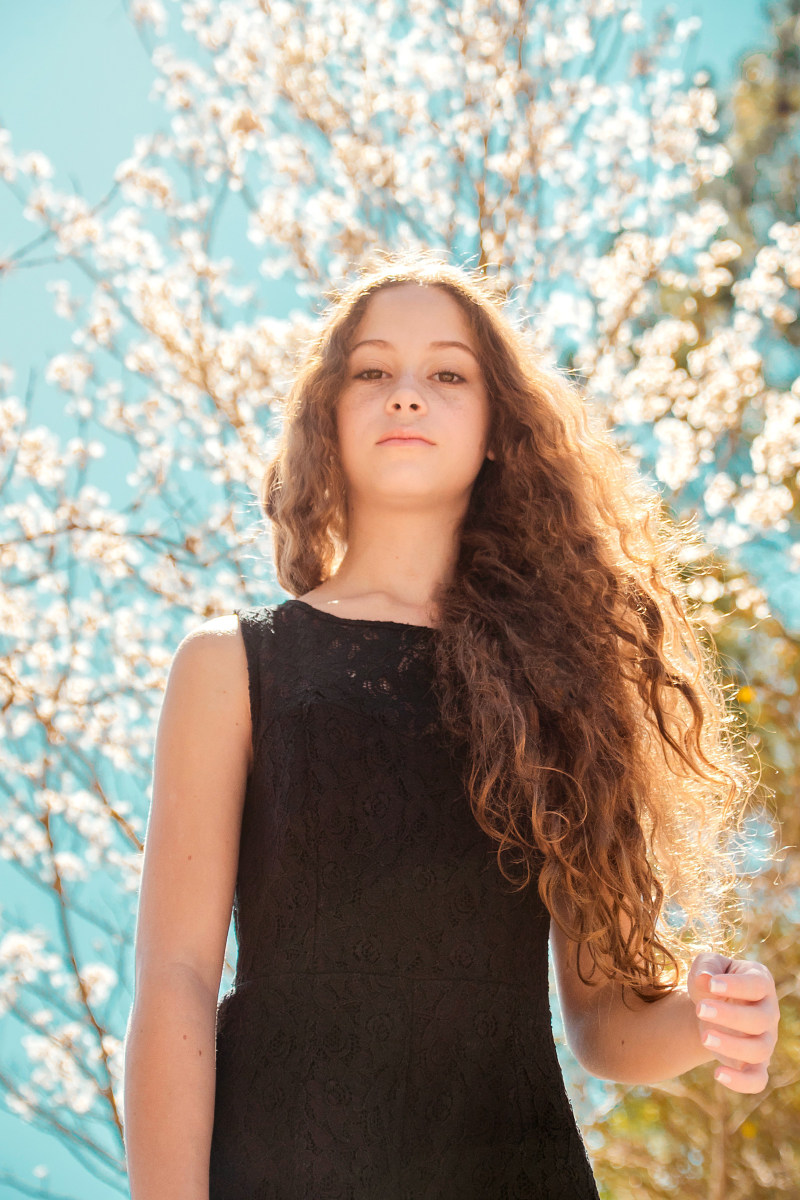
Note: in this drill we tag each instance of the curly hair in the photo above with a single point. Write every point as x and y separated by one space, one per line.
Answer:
603 757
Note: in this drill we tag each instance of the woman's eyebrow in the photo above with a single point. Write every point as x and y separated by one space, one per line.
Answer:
383 342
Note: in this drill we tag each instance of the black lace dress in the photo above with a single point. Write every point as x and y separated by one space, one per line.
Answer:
388 1034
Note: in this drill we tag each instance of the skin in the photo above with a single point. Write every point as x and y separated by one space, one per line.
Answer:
405 503
642 1043
406 500
736 1001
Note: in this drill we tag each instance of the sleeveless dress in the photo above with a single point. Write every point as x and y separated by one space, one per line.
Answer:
388 1033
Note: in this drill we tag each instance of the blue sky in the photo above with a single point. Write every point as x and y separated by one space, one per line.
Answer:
74 83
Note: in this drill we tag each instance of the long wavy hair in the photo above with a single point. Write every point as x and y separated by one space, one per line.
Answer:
603 757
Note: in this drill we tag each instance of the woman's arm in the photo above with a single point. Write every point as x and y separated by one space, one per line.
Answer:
169 1086
636 1041
202 757
731 1000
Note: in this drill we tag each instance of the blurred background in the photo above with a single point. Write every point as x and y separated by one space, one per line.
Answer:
178 184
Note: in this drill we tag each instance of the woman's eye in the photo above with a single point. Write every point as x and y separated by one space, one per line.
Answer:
367 371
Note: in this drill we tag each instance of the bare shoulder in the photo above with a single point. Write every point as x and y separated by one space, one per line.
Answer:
216 648
228 624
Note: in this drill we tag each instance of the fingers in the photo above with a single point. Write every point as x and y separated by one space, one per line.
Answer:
750 985
747 1049
738 1016
746 1079
754 1018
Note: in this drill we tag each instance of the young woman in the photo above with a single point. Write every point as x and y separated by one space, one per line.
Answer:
488 662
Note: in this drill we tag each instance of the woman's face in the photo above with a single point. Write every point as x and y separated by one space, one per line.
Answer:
408 382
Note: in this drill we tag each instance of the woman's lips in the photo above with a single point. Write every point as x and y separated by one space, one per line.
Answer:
404 442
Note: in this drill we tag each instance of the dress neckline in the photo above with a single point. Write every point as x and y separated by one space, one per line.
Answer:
373 621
